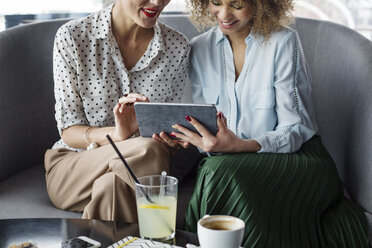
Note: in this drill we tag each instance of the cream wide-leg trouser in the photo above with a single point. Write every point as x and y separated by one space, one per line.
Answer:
97 182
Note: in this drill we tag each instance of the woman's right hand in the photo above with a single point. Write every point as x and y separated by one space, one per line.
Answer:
125 117
224 141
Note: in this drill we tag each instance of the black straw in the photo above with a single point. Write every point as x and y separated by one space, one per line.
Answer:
127 166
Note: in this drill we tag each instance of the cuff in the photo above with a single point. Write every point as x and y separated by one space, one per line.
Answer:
266 144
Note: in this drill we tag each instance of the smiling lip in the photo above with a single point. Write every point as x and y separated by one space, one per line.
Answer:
228 24
149 12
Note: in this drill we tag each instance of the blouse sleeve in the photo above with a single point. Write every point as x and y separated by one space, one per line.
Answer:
69 106
295 119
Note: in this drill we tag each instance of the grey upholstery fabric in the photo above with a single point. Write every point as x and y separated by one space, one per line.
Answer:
340 62
180 23
25 196
26 96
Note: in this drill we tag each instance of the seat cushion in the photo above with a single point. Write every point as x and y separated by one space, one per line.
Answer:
24 195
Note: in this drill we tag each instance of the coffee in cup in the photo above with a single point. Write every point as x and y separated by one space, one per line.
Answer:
220 231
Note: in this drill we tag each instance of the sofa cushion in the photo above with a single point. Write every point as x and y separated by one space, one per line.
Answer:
24 195
28 188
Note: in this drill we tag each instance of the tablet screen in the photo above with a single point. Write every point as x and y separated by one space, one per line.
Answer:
157 117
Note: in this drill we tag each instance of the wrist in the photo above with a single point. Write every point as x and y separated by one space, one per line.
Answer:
248 145
91 144
118 136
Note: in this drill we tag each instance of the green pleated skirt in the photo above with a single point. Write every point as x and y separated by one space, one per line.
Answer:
286 200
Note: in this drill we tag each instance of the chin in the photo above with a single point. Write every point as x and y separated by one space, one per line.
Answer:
226 31
146 22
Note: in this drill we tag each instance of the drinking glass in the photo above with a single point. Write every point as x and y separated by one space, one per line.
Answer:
156 198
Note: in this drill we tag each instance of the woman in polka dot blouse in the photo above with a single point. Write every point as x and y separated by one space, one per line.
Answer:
103 63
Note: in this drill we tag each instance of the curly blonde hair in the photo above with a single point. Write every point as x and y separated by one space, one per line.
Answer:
268 15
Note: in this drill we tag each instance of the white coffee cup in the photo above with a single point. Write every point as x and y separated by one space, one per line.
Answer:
220 231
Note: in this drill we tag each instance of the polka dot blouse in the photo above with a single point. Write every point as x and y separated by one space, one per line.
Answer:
90 76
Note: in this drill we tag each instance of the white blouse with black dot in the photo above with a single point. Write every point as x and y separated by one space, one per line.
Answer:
90 76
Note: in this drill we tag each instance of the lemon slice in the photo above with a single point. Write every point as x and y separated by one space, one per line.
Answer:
153 206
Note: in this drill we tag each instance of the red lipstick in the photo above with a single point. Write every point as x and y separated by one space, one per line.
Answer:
149 12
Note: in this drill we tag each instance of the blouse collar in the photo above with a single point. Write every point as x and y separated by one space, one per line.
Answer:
220 36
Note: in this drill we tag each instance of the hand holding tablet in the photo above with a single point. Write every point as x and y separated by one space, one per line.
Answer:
157 117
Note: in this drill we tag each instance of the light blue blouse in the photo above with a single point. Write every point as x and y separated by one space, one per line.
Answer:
270 101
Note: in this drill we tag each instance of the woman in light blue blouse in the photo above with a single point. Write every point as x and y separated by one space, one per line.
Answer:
264 91
271 170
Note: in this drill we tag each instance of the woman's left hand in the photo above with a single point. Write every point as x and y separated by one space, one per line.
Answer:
224 141
172 144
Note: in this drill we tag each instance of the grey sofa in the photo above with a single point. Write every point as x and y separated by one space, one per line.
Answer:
340 61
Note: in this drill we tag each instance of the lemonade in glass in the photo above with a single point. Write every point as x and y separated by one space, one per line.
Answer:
156 206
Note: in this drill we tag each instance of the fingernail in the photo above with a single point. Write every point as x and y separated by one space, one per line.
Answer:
219 115
172 135
187 118
175 127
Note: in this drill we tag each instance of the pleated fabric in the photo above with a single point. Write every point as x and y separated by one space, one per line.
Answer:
286 200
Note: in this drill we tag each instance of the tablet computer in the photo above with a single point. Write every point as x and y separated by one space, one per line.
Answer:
157 117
